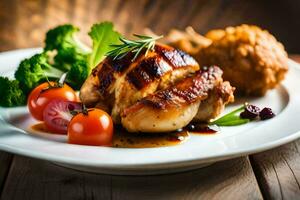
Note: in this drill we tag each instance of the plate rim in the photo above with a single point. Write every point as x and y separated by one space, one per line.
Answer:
160 165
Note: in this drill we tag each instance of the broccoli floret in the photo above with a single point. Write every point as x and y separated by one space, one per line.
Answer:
69 49
78 74
34 70
64 37
11 94
71 55
65 59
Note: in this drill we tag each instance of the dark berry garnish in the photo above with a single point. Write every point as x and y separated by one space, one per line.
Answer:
250 112
266 113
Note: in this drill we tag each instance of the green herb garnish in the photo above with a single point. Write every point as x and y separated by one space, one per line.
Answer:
231 119
103 36
134 46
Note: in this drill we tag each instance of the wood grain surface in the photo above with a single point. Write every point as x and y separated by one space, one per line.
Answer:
34 179
5 162
274 174
278 172
232 179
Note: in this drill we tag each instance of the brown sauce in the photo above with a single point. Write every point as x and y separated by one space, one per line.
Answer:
40 127
198 128
124 139
144 140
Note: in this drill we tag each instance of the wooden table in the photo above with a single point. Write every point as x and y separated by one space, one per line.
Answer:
274 174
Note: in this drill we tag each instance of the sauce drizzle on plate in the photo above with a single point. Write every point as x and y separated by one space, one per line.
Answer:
124 139
199 128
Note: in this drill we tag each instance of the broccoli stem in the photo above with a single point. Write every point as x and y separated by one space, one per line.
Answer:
52 72
83 48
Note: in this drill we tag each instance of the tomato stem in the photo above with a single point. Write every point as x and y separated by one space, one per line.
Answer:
84 109
62 79
57 84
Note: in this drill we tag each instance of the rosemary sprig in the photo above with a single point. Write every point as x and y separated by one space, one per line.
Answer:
119 51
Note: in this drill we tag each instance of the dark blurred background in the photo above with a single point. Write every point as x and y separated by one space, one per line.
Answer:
24 22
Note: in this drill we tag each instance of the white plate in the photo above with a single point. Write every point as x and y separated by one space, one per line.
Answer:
198 151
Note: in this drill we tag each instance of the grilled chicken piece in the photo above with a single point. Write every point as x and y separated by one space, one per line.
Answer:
176 106
158 92
212 107
117 84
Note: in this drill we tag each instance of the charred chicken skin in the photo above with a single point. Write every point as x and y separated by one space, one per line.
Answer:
158 92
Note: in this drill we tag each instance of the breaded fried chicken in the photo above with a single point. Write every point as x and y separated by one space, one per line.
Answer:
252 59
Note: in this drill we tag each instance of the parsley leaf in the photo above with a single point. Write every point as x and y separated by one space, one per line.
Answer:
103 36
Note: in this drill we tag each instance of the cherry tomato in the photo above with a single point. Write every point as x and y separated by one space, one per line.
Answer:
93 128
39 97
57 115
